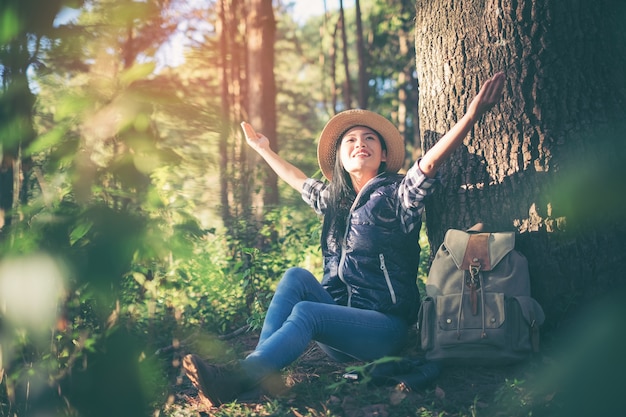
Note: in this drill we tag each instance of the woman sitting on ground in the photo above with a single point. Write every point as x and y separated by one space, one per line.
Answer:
368 297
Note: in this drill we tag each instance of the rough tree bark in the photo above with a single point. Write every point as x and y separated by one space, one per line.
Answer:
545 162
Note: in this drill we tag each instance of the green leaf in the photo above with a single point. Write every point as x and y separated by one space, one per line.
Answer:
9 25
139 277
80 231
70 106
46 141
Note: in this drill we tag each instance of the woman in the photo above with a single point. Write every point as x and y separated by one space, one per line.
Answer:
368 297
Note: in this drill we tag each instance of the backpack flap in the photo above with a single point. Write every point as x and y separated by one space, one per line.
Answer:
489 249
497 246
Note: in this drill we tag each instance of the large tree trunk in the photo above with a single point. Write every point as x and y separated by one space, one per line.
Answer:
547 161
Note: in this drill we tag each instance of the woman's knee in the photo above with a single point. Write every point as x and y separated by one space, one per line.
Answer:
298 284
305 313
298 272
297 276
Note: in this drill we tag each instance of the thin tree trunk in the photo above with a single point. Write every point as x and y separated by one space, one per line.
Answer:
243 184
261 100
347 87
363 81
222 34
6 190
322 57
402 87
416 139
16 109
333 68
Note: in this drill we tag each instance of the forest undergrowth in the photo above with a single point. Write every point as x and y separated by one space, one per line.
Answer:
127 362
316 388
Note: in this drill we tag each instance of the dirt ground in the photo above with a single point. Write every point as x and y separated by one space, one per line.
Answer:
457 388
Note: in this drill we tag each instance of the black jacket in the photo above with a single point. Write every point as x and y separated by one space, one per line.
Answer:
374 266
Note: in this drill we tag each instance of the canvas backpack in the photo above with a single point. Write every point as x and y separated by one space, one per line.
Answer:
478 307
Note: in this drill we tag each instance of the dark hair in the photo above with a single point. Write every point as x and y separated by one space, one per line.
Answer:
341 191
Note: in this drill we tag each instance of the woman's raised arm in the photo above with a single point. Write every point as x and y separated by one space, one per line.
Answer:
285 170
487 97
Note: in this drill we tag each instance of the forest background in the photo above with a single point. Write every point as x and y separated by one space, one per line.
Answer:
136 223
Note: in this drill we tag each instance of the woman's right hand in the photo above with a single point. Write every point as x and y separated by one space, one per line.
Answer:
289 173
257 141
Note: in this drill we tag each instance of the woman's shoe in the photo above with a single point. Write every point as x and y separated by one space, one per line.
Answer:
218 383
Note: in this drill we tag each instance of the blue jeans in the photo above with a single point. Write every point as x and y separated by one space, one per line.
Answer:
302 310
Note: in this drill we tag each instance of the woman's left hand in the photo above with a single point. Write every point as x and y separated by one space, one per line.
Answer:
489 94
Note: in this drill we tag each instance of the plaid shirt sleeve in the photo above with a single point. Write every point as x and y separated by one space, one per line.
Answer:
315 194
411 193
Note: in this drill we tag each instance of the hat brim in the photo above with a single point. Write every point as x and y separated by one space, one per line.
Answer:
342 122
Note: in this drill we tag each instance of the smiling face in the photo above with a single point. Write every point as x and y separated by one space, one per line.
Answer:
361 153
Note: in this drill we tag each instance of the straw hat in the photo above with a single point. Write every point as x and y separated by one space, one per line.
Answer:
339 124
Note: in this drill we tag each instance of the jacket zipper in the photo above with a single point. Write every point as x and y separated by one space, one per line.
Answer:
342 258
383 267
